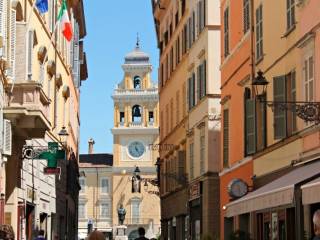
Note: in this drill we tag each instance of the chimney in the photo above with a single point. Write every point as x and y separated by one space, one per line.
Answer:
91 143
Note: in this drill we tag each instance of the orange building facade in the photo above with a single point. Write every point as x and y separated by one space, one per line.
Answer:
236 72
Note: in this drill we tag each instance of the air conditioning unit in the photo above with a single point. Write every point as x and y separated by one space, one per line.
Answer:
7 137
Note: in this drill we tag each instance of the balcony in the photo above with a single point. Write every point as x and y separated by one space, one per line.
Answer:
28 109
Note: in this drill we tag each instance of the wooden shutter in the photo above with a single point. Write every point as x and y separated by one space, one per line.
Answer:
225 137
198 18
76 63
3 26
193 89
193 26
246 15
30 53
204 79
250 109
181 166
293 99
7 137
199 93
12 59
279 95
226 32
189 95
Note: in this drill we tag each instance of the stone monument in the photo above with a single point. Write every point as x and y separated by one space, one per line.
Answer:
120 230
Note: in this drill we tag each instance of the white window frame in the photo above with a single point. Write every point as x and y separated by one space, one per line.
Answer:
82 190
133 218
108 215
307 81
108 185
84 210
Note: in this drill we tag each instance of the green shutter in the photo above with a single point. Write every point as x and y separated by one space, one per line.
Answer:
181 168
193 89
204 78
226 138
199 80
279 95
250 109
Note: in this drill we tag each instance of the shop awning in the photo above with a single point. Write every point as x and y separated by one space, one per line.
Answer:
276 193
311 192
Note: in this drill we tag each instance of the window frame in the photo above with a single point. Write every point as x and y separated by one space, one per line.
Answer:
291 19
82 191
108 185
259 32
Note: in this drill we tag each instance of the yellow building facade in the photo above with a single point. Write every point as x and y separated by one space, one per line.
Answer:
135 139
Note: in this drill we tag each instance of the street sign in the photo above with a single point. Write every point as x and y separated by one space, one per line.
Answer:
49 170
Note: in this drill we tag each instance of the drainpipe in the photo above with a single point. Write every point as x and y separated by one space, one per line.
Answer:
252 40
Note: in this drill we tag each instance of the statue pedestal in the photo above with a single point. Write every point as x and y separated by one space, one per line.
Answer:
120 233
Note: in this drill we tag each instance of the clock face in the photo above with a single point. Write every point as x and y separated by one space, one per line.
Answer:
136 149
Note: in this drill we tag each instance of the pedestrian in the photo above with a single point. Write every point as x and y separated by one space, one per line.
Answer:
41 235
141 232
96 235
6 232
316 224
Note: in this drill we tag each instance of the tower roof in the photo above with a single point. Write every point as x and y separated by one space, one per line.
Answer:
137 56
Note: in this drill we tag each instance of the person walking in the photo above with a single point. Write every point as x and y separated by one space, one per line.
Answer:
40 235
96 235
141 232
316 224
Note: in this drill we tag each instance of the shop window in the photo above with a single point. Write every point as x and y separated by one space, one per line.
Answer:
244 221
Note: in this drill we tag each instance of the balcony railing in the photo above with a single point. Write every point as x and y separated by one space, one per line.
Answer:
136 92
136 124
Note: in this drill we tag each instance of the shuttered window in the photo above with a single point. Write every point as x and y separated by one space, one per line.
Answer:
190 32
246 15
171 114
259 33
226 31
184 99
3 27
201 80
191 90
202 150
279 95
177 107
177 51
308 70
225 138
76 53
191 159
182 164
11 71
250 109
171 60
30 53
290 14
291 97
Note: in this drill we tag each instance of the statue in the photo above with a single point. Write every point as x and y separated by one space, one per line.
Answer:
121 214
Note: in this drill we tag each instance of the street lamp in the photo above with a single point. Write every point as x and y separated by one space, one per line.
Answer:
136 181
307 111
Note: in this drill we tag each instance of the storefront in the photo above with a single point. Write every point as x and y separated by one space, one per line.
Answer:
195 210
278 209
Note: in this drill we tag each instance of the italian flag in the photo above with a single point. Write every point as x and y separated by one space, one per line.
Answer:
65 24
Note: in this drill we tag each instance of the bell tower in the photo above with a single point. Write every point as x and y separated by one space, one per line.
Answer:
135 134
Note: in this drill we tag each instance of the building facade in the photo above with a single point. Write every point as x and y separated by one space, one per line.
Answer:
188 34
135 139
43 73
95 196
282 146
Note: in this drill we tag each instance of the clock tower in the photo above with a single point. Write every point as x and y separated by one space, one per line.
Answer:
135 137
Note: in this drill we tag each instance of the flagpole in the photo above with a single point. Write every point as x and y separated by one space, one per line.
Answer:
29 18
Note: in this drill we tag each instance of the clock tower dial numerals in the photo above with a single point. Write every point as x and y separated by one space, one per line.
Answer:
136 149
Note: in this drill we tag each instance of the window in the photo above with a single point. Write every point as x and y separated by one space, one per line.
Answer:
177 51
191 158
104 185
82 182
167 119
290 14
259 33
177 107
177 18
81 210
183 7
201 9
284 89
184 99
226 31
135 211
171 114
121 117
250 122
246 15
225 138
136 114
201 83
191 90
104 210
136 82
167 68
30 53
151 117
181 165
202 150
308 70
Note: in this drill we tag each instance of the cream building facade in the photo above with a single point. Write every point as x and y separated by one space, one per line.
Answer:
135 135
41 99
95 196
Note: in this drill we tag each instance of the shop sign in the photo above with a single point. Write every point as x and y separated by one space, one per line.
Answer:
194 191
237 188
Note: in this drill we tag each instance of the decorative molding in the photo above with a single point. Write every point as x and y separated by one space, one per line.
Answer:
225 99
190 67
244 81
201 53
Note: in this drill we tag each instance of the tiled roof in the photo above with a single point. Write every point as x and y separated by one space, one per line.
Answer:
96 159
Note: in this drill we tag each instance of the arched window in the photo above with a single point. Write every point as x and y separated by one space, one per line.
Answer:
137 82
136 113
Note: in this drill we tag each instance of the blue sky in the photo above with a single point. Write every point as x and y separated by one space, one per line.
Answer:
112 28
